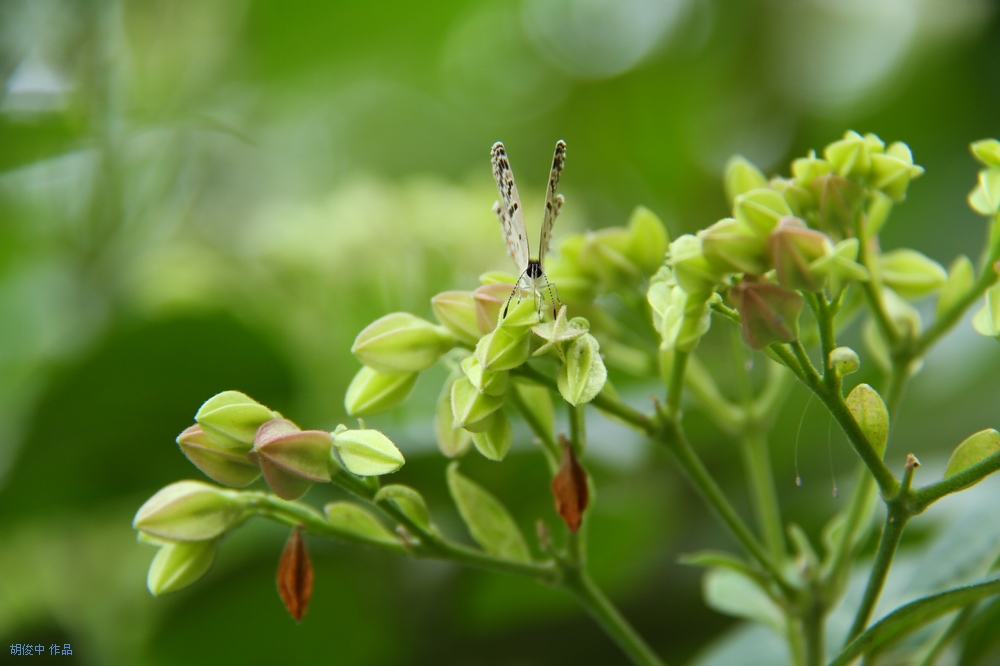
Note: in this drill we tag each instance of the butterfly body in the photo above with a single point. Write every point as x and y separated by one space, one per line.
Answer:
511 216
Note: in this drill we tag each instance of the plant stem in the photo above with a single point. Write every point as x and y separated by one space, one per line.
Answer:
757 459
895 521
987 278
891 534
812 628
673 437
929 494
548 442
605 614
676 387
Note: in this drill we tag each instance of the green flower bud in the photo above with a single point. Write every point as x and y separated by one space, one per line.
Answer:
691 270
987 320
793 248
799 199
372 392
867 408
470 407
911 274
495 441
224 465
850 157
558 333
485 381
490 300
666 299
523 312
456 310
231 419
904 316
739 176
877 212
985 197
695 321
400 343
648 240
583 374
189 511
893 171
840 266
366 452
875 144
839 201
844 361
806 169
761 209
769 313
606 254
503 349
961 276
452 441
731 246
975 448
292 459
178 564
987 152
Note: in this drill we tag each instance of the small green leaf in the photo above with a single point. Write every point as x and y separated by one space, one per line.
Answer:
961 276
356 522
367 452
733 593
718 559
912 616
488 521
869 411
974 449
452 441
409 502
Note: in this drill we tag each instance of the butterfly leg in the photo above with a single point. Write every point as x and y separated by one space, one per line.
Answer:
553 298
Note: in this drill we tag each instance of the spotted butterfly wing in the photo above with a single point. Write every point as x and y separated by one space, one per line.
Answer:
508 209
553 201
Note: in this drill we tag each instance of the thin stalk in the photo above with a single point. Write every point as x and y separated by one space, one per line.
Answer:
891 534
757 459
812 629
673 437
548 442
608 616
895 521
676 387
987 278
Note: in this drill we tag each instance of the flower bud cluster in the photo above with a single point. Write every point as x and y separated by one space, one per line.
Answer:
788 235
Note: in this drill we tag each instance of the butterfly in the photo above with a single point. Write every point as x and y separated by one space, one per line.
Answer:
511 217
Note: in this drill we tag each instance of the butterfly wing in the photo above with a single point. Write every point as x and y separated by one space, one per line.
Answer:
553 201
508 209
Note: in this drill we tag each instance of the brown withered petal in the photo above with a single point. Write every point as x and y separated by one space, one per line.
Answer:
569 487
295 575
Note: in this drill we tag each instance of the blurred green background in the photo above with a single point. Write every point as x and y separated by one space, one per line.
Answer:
201 196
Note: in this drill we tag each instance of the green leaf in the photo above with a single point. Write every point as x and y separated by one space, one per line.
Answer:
409 502
356 522
488 521
717 559
733 593
974 449
961 276
452 441
912 616
869 411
